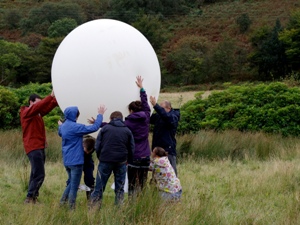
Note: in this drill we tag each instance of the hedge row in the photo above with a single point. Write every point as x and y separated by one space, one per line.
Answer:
272 108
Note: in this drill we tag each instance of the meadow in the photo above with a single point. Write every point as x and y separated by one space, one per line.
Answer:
228 177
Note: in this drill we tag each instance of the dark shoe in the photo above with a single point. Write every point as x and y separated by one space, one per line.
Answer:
88 195
30 200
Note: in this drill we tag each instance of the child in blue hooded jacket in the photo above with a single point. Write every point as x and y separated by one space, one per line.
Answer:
72 149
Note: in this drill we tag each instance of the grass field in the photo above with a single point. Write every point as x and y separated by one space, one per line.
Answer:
249 179
227 177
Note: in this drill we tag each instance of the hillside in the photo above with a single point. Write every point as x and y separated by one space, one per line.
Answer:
196 41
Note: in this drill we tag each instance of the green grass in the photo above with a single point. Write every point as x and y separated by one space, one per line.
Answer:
217 189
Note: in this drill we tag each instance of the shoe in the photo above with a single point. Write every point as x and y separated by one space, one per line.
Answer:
30 200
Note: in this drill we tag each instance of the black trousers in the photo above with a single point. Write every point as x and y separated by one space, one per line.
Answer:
137 172
37 175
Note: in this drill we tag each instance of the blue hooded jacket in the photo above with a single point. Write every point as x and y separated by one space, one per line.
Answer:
72 136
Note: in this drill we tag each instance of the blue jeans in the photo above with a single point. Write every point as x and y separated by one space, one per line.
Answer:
37 175
104 171
74 177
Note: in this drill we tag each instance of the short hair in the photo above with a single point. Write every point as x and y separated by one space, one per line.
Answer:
33 97
160 152
168 104
89 143
116 115
135 106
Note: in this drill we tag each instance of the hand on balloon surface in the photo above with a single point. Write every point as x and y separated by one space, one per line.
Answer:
59 122
153 100
139 81
91 121
102 109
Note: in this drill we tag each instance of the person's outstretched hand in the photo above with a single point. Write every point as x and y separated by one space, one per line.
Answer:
59 123
139 81
52 94
91 121
101 109
153 100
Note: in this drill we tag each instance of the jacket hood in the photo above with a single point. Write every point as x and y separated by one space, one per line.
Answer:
117 123
162 161
71 113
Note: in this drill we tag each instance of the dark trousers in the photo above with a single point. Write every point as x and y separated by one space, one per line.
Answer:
89 180
37 175
172 159
104 171
137 175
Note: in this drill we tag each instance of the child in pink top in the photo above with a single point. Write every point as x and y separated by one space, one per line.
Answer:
164 175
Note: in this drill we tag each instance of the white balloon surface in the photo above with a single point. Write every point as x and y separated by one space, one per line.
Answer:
97 63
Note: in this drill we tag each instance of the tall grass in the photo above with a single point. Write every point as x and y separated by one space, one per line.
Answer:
236 145
227 178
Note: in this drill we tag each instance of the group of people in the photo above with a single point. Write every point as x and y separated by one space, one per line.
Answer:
122 146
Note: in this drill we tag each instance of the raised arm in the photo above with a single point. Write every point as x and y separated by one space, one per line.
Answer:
168 118
42 107
143 95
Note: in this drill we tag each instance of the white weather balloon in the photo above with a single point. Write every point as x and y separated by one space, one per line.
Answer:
97 63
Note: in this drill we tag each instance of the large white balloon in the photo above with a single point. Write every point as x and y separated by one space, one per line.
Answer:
97 63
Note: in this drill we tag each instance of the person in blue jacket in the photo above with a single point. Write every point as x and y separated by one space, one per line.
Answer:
72 149
165 122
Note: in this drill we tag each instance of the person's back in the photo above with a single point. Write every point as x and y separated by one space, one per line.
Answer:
114 143
114 146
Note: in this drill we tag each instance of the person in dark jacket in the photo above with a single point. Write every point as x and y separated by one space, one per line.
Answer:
34 140
72 149
114 146
165 122
88 166
138 122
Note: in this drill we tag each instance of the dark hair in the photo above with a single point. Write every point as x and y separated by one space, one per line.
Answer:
160 152
89 143
135 106
33 97
116 115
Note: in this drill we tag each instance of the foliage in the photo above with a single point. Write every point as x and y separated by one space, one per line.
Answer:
269 55
271 108
61 28
291 38
129 10
185 62
40 18
12 18
13 98
8 108
151 27
244 22
12 58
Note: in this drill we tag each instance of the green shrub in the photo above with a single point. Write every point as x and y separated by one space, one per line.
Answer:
8 108
243 22
271 108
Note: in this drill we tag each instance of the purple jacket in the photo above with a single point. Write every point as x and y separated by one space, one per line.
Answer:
138 123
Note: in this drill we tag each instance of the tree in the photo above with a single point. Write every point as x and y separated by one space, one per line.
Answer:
151 27
41 18
12 57
61 28
291 39
184 64
12 18
243 22
269 55
8 109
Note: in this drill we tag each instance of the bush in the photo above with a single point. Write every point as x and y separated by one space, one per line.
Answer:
8 109
12 99
62 27
271 108
243 22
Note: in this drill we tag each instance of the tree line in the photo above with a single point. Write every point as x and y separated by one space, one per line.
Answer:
190 59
